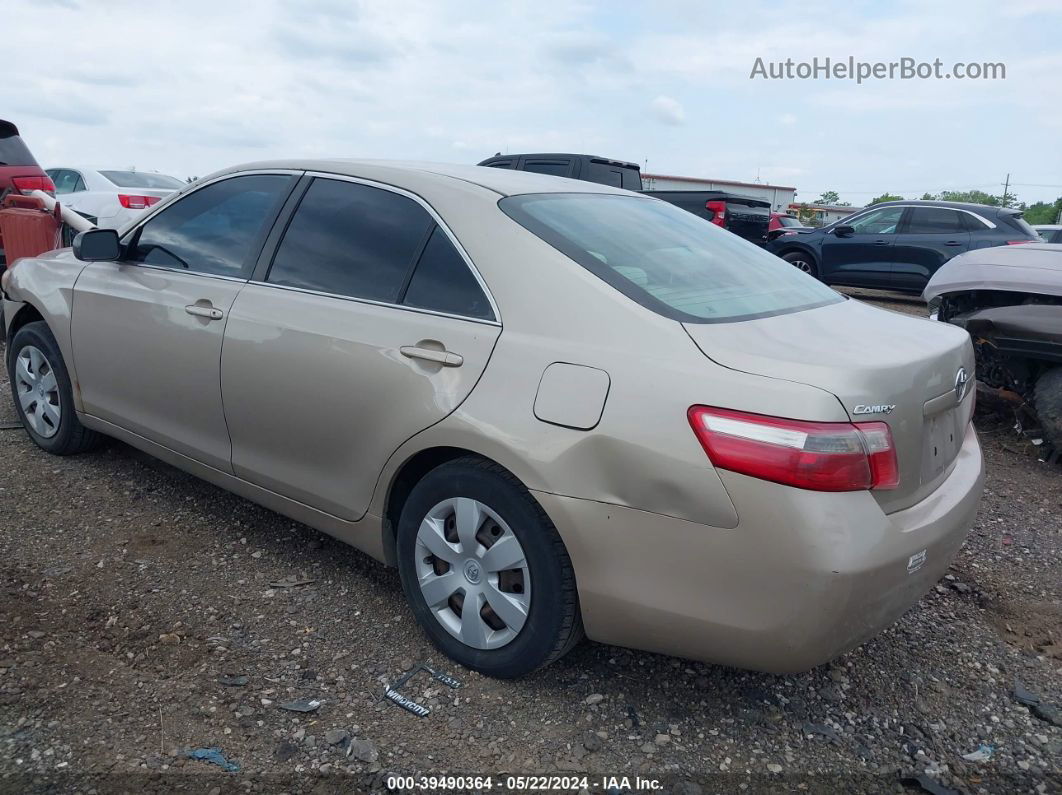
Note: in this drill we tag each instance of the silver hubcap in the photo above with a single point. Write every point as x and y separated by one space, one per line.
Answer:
38 392
801 265
472 572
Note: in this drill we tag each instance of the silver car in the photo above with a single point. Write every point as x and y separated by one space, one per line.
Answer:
556 407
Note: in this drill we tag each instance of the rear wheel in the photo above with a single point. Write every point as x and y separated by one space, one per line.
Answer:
485 571
802 261
44 400
1047 399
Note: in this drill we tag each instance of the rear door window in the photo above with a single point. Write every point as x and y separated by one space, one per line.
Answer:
215 230
65 180
556 168
934 221
443 282
668 260
351 240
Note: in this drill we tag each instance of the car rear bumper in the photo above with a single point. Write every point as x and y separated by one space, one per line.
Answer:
804 577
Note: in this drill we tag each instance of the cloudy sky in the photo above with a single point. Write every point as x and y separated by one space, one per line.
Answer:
189 87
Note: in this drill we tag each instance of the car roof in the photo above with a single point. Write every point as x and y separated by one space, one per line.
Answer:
503 181
971 206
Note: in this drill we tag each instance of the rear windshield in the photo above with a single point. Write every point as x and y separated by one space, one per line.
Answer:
1023 225
13 152
669 260
788 220
142 179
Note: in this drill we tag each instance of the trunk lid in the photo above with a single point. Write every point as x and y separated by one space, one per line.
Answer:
870 359
748 218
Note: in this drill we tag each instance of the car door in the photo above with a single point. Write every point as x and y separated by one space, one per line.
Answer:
864 257
368 325
929 237
147 330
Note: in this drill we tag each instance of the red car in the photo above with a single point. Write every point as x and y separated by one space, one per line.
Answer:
781 224
19 172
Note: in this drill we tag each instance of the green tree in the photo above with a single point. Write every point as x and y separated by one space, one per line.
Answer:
974 197
828 197
1044 212
929 197
885 197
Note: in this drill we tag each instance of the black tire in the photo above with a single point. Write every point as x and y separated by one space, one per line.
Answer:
70 436
803 261
553 625
1047 399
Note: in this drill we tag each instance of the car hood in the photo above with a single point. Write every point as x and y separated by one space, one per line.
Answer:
868 358
1028 268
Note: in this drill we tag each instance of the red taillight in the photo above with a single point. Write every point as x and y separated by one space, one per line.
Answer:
718 210
137 202
1020 242
27 185
821 456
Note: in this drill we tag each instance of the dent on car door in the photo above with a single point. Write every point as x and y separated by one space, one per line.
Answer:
929 238
369 326
147 330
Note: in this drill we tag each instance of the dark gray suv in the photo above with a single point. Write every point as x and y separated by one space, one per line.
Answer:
899 245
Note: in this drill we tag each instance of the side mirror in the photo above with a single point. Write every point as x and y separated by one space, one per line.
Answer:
844 230
97 245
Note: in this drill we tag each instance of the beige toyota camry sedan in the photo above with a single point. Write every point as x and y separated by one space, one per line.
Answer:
557 407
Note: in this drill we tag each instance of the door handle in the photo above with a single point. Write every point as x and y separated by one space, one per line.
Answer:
953 243
209 312
881 242
445 358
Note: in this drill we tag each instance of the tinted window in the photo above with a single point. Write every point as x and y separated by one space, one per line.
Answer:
788 220
142 179
215 229
350 239
501 164
444 283
66 181
674 262
934 220
557 168
1020 224
13 152
877 222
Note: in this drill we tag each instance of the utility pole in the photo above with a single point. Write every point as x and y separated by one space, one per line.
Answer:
1005 186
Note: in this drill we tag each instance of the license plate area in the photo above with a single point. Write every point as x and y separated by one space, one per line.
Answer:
941 441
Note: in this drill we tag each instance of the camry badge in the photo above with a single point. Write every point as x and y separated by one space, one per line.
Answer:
962 382
884 408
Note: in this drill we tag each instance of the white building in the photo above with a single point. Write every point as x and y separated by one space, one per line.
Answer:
780 197
823 214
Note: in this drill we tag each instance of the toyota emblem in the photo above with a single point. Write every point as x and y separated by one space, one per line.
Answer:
962 382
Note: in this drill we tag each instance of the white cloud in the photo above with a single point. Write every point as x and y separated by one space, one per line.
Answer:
202 84
668 110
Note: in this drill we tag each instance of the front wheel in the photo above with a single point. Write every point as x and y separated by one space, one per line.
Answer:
485 572
44 400
802 261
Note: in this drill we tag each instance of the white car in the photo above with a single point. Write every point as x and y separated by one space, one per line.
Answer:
110 198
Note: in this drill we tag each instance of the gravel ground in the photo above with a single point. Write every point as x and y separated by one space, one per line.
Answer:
131 590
